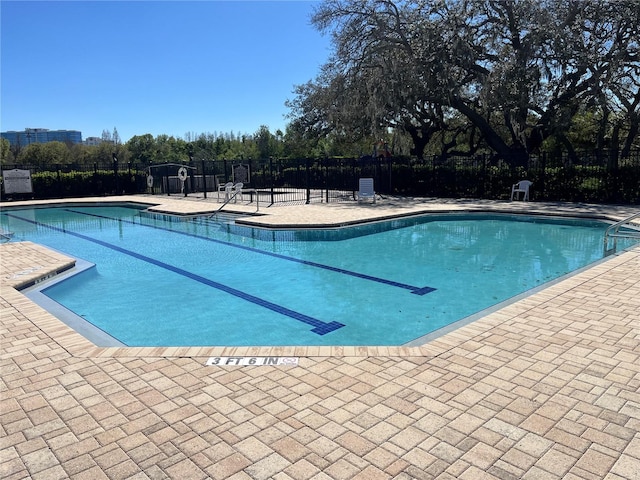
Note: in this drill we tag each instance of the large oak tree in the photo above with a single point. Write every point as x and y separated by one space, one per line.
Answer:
516 71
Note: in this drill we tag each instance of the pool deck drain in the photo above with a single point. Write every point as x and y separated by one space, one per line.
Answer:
547 387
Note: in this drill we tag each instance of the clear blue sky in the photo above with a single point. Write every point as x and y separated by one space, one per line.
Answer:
157 67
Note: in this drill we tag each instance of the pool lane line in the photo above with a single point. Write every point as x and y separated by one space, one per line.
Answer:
413 289
319 327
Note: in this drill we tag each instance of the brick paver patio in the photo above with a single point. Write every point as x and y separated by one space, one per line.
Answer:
547 387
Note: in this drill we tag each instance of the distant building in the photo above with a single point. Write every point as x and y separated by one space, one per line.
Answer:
93 141
41 135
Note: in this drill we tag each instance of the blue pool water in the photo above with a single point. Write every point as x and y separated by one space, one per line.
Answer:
163 281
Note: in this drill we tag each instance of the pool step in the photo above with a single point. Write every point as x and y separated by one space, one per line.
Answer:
222 217
216 219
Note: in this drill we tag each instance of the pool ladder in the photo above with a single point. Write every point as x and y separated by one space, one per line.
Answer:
612 233
231 197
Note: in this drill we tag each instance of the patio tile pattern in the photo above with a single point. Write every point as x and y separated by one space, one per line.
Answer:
547 387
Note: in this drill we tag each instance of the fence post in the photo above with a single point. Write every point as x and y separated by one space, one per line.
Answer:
390 166
306 180
128 183
185 184
326 179
483 186
166 177
204 179
300 182
115 173
433 181
353 181
271 179
60 189
94 178
543 175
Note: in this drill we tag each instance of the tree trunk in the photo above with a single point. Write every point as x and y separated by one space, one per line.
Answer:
634 130
513 157
421 137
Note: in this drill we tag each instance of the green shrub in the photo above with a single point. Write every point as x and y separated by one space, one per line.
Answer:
85 184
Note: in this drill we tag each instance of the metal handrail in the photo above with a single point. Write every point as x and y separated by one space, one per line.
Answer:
613 232
231 197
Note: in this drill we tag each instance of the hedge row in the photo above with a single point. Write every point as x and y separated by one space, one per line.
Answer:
86 184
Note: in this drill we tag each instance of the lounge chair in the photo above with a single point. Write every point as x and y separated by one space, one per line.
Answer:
521 187
365 189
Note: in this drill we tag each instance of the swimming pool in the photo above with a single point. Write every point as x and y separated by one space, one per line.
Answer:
160 280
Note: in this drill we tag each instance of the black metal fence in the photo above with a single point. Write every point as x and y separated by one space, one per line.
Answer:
593 177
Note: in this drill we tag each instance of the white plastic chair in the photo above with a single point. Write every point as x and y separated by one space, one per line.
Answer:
365 189
237 191
521 187
226 188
